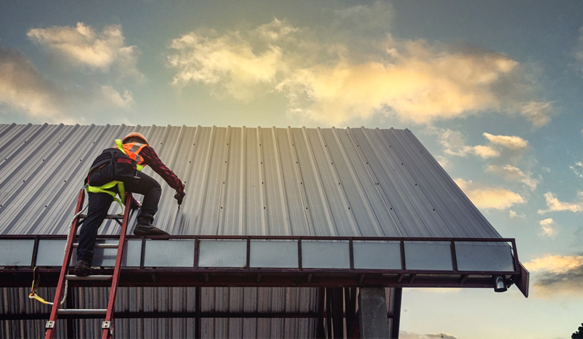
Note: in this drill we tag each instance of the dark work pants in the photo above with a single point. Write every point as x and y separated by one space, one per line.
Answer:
99 204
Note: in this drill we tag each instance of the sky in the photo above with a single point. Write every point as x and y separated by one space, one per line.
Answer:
493 89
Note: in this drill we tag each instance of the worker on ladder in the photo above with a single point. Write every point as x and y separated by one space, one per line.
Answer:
106 179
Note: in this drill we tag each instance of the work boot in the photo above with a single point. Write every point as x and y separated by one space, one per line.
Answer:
82 269
145 227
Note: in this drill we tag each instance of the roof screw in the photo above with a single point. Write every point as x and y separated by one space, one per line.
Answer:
434 209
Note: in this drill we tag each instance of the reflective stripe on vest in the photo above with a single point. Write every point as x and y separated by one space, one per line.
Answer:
132 150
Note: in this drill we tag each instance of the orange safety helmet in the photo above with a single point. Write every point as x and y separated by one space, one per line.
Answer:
134 135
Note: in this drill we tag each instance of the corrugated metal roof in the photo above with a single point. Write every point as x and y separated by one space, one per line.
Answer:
239 181
246 181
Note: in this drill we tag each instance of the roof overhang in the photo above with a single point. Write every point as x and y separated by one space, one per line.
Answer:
277 261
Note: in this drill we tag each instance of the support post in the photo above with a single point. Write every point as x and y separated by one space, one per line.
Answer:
320 331
373 313
396 295
337 312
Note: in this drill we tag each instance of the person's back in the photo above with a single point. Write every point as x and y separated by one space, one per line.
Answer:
115 171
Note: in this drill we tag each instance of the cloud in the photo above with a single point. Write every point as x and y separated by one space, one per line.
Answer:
364 20
327 80
489 197
557 274
420 86
228 62
454 143
514 215
82 46
555 205
548 227
538 112
410 335
23 89
511 142
510 172
576 170
486 152
125 100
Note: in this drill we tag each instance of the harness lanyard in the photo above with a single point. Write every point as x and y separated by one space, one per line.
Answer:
33 288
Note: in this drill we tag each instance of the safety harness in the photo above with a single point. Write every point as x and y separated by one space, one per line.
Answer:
131 150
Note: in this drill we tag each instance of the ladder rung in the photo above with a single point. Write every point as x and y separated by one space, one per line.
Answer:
109 216
100 245
83 311
89 277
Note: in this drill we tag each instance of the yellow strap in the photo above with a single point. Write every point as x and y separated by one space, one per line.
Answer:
34 296
119 145
104 189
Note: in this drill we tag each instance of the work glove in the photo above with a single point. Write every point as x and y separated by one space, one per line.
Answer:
179 196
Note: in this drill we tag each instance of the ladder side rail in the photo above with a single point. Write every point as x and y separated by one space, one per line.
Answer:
107 324
66 260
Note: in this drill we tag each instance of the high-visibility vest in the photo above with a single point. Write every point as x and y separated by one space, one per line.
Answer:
132 150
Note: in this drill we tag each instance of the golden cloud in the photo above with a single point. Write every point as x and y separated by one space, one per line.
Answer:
557 274
548 227
555 205
555 263
326 82
25 90
82 46
489 197
512 142
513 173
229 60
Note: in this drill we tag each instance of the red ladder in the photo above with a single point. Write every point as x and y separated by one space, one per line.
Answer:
107 325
